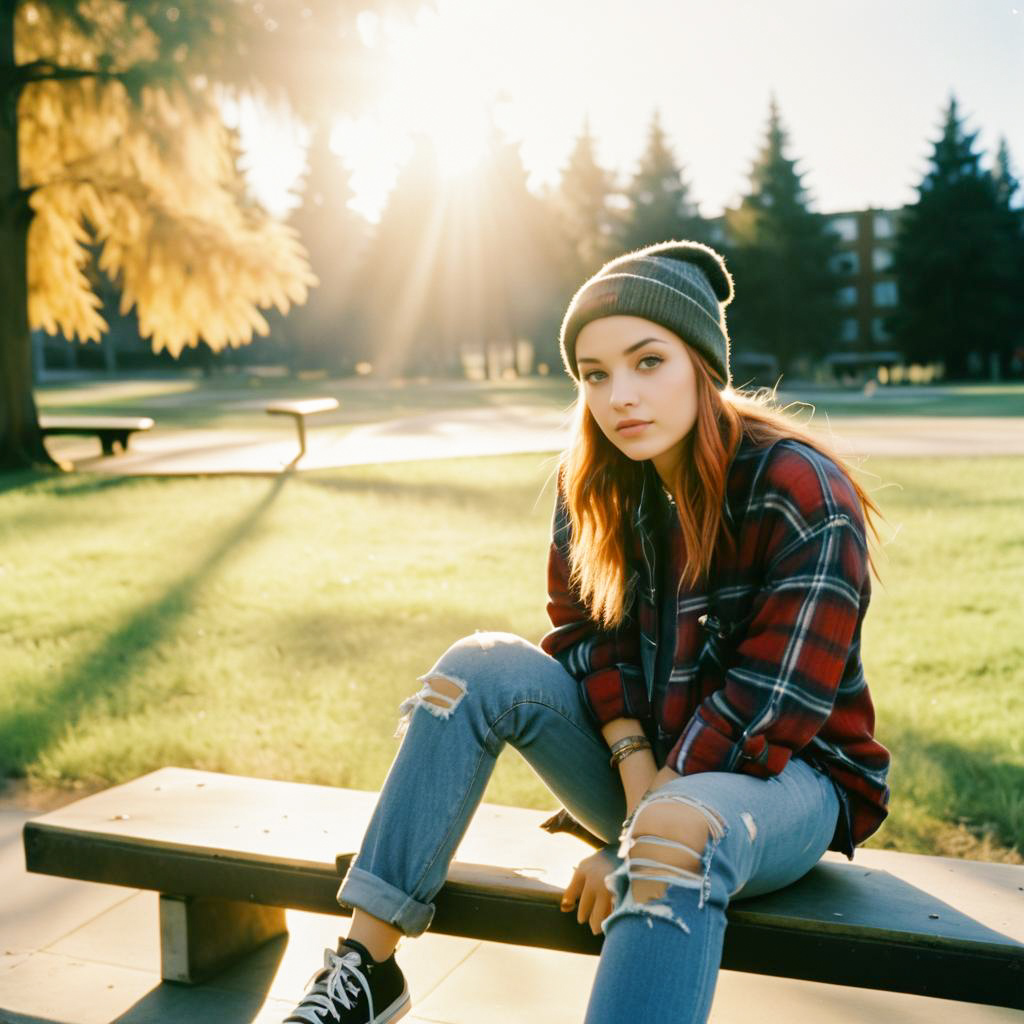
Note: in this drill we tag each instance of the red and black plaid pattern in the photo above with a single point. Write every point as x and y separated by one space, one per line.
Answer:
767 660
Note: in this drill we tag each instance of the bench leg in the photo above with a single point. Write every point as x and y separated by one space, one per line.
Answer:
200 936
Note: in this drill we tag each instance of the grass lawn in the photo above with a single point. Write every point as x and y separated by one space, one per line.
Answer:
272 627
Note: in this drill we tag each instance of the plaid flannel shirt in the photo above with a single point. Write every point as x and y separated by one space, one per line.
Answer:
766 657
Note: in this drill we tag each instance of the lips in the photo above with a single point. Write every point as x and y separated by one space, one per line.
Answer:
630 427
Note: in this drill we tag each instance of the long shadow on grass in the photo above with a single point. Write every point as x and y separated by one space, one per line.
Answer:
482 497
985 791
46 511
26 732
21 479
63 483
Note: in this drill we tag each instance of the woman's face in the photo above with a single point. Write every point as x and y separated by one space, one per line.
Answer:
640 386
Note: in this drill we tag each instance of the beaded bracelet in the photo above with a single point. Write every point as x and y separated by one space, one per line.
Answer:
621 749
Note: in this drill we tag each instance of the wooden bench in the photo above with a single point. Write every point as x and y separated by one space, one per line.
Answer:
226 853
299 410
110 430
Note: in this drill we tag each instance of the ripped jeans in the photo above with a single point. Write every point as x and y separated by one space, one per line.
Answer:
660 956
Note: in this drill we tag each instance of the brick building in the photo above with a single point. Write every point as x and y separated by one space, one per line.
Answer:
867 293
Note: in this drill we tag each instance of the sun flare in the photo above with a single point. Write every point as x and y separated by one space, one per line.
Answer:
430 83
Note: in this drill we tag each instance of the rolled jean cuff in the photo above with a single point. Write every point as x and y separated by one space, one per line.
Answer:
381 899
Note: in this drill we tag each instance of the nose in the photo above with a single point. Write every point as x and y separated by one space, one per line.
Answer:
623 391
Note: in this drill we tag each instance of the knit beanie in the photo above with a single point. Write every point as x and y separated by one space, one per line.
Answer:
683 286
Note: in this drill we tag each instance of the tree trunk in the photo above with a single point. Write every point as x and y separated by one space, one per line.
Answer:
21 444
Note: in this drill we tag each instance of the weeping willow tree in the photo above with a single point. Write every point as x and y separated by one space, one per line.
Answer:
113 142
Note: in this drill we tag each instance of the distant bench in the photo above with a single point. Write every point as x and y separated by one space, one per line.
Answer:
299 410
110 430
226 853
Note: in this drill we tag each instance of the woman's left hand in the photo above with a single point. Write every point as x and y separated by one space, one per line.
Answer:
587 891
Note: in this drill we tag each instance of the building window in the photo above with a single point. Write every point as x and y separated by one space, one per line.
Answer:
846 263
848 329
847 295
845 228
883 225
879 332
881 260
885 293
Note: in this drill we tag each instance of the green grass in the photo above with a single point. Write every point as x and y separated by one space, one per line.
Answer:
956 400
272 627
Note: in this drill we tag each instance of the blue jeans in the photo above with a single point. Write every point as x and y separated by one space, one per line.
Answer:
660 957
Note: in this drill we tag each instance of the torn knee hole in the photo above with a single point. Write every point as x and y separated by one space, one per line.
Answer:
665 845
440 695
442 692
656 862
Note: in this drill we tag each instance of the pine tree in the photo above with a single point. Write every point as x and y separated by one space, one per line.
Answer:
957 260
507 253
398 287
456 266
321 334
585 206
660 207
1010 263
112 135
781 253
1005 182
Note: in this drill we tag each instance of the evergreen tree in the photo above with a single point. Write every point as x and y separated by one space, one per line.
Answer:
321 334
1010 246
585 206
459 266
1002 174
112 135
506 251
398 285
781 253
660 207
958 262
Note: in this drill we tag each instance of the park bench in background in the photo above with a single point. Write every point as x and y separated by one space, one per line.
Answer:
226 853
299 410
110 430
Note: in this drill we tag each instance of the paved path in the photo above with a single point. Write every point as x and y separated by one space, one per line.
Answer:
489 431
77 953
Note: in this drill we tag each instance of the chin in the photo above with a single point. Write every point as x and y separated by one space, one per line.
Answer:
641 453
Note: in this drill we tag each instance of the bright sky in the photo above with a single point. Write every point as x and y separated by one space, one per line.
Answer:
861 86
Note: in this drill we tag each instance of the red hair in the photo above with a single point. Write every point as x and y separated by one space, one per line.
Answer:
602 488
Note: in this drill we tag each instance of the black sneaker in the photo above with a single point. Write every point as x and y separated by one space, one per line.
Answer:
353 988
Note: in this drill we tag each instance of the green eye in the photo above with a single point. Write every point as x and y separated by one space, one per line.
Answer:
650 362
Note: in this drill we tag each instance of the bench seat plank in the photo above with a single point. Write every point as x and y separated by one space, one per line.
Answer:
88 424
904 922
110 430
302 406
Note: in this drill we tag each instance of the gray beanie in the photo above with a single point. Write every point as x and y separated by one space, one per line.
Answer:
683 286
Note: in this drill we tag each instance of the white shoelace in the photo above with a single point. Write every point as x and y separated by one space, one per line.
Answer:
337 985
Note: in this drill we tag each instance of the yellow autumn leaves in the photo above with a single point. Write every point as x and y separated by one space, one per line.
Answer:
149 181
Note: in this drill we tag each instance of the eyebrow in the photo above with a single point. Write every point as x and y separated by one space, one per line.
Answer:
629 351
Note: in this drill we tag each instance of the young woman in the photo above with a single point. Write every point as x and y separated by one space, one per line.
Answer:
699 704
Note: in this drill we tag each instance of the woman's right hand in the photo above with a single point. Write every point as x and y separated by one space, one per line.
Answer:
587 891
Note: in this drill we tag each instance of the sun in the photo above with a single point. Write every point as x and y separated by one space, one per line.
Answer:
433 81
432 76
